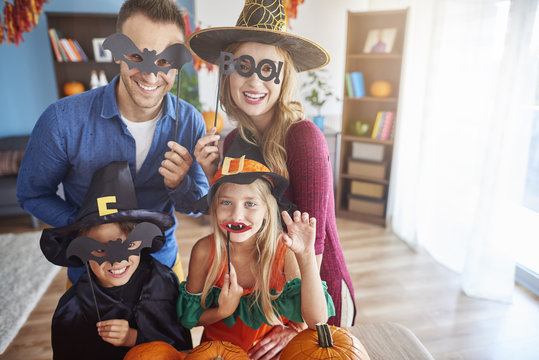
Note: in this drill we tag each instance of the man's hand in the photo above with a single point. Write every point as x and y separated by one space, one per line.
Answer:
117 332
175 165
207 153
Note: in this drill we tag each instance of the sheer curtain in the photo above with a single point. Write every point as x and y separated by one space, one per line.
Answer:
461 151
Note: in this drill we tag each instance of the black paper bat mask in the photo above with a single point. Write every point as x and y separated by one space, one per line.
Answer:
84 247
147 61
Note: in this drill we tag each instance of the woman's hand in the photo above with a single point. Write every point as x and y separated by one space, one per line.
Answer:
301 232
230 295
271 345
207 153
117 332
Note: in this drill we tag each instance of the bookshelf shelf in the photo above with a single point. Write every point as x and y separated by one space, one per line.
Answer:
365 178
83 27
352 138
364 153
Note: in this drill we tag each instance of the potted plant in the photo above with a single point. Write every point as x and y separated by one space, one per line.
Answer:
317 92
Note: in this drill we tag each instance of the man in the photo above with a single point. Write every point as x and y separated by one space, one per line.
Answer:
131 119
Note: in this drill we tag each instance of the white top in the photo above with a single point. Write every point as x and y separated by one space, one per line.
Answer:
143 133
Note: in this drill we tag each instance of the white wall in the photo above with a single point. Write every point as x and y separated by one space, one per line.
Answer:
319 20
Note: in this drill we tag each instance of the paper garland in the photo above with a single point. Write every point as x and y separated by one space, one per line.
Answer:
19 17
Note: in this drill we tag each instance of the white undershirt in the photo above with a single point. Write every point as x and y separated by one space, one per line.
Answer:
143 134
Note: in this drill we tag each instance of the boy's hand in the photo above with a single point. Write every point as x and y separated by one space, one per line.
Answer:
207 153
175 165
230 294
301 232
117 332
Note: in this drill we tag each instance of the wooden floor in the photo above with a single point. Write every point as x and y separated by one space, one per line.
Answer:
392 283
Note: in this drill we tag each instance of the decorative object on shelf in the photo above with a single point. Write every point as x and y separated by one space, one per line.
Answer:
100 54
317 92
380 40
209 119
381 89
94 80
19 17
73 87
102 78
360 128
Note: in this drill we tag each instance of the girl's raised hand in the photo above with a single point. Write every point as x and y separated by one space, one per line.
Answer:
230 295
207 153
301 232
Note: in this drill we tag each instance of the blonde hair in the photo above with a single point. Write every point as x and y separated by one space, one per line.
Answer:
287 111
267 239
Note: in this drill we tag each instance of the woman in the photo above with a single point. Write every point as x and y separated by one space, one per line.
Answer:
257 91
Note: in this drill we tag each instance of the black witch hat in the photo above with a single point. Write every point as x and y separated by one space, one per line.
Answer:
110 198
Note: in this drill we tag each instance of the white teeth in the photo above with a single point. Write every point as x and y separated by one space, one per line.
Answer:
149 88
235 227
118 271
254 96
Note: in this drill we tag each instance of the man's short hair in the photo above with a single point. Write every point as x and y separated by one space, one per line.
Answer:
156 10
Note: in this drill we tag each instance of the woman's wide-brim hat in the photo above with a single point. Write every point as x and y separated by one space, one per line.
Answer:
262 21
243 164
110 198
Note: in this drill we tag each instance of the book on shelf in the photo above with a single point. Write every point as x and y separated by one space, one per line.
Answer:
385 132
75 44
349 89
66 50
71 56
55 42
358 84
378 122
383 125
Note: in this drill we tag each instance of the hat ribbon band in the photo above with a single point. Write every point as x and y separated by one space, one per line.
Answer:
233 166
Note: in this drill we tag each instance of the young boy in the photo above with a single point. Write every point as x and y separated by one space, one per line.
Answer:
126 296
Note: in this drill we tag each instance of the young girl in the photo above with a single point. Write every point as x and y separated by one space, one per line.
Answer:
271 280
257 91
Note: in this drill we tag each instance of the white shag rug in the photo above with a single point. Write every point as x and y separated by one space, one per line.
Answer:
25 275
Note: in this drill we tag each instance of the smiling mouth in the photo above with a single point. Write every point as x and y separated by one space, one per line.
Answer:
235 227
254 97
118 272
145 87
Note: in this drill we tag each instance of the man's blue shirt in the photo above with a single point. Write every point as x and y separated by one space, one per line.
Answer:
79 134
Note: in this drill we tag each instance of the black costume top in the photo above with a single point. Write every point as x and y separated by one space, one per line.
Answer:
147 301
